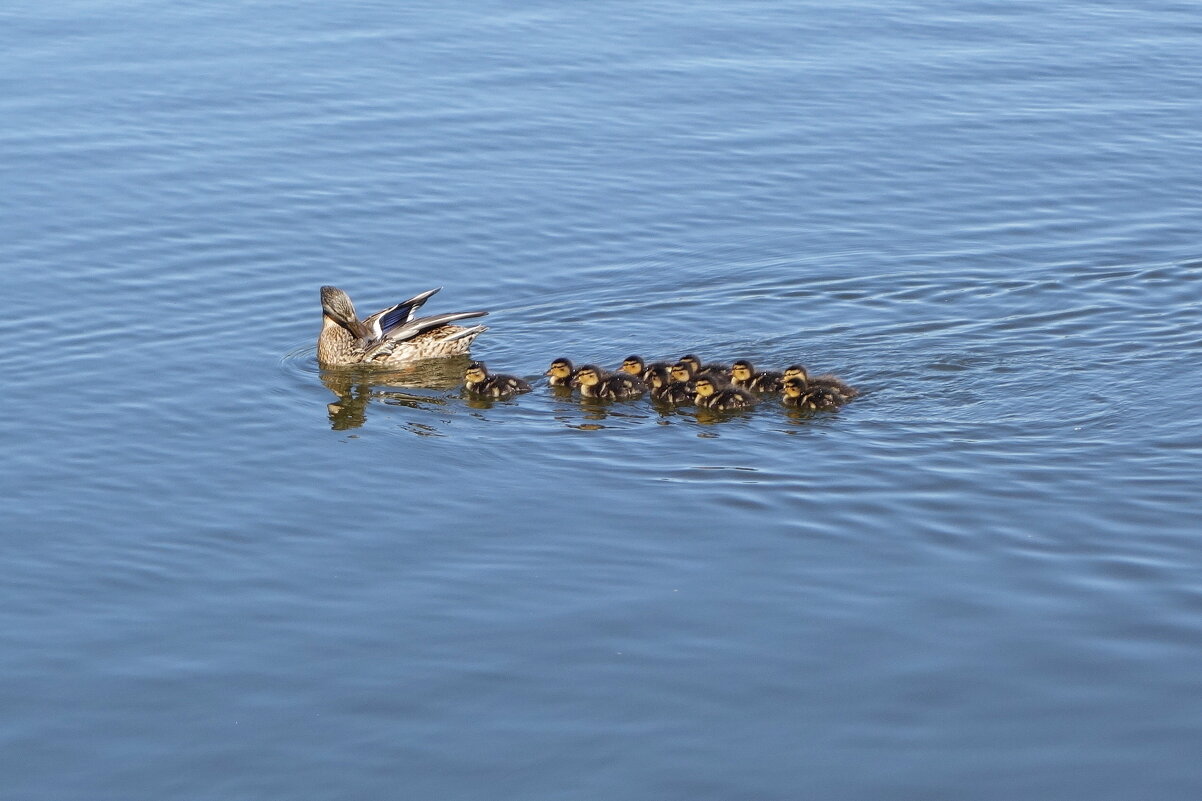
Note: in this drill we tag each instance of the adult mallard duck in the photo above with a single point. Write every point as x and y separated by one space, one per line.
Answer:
796 394
710 396
743 374
477 380
595 383
842 390
560 373
391 336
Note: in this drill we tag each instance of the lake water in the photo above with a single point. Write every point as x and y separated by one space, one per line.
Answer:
229 575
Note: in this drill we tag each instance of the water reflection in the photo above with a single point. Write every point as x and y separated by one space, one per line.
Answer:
357 387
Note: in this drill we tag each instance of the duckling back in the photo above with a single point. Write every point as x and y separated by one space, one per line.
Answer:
620 386
728 398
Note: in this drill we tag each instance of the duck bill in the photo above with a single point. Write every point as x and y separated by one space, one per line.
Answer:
337 305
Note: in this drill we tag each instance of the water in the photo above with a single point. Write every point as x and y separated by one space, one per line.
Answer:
229 575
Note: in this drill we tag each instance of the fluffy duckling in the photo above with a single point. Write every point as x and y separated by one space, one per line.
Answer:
634 365
687 370
744 375
842 390
665 390
796 394
595 383
560 373
683 372
478 381
709 396
718 372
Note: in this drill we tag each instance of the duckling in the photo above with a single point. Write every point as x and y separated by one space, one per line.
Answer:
665 390
842 391
560 373
796 394
595 383
719 372
634 365
744 375
478 381
687 370
683 372
709 396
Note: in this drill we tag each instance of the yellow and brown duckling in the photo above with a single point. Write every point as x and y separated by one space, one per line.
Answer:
688 371
744 375
718 372
796 394
477 380
709 395
843 391
634 365
560 373
665 390
596 383
683 372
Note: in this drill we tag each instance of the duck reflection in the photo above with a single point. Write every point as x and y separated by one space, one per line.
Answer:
356 388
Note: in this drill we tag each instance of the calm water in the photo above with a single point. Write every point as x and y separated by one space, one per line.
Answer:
227 575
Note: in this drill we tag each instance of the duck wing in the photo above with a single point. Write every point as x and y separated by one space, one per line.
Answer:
412 328
382 322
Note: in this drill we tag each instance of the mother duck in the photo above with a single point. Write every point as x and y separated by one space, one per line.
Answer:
391 336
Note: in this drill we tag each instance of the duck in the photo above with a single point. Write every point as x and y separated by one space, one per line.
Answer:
719 372
665 390
710 396
595 383
634 365
688 371
682 372
391 336
796 394
743 374
477 380
843 391
560 373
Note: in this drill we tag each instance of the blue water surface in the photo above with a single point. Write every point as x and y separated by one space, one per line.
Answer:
229 574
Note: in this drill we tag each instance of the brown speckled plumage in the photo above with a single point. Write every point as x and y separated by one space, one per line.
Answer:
391 336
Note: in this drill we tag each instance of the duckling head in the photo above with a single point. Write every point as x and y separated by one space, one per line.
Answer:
742 370
633 365
704 387
682 371
692 360
657 377
587 376
796 371
475 372
560 368
793 387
